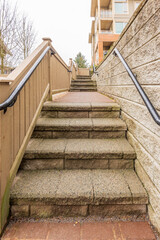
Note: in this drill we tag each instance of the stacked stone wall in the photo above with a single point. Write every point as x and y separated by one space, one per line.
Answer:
139 44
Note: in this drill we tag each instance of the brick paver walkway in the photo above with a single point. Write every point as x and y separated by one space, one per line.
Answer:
81 97
79 231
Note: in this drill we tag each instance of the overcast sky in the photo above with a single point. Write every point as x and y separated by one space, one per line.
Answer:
66 22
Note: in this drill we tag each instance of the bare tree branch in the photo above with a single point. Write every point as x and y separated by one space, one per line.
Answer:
17 35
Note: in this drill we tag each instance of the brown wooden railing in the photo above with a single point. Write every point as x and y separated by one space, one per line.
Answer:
17 124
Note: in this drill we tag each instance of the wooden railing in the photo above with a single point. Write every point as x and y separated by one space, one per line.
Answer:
59 74
17 124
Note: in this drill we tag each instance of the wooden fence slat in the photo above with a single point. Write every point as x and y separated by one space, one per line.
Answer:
22 116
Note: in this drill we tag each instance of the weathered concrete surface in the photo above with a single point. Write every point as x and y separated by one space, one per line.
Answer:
75 188
80 186
80 106
79 128
80 124
42 164
83 85
49 211
79 149
98 148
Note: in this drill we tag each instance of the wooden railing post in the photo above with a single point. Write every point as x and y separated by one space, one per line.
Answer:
49 70
5 154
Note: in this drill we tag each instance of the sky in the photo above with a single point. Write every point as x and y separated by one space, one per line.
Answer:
66 22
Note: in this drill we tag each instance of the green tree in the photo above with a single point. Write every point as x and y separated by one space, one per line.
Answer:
81 61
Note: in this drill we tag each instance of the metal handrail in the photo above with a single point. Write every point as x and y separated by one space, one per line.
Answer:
94 69
10 101
145 98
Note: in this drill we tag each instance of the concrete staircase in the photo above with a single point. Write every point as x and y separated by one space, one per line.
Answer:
83 83
78 163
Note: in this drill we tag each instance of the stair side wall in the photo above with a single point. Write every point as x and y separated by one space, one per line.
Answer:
139 44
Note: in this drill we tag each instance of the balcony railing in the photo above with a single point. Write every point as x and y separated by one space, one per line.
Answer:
106 13
106 32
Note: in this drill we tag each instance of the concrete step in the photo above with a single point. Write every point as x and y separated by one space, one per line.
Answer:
79 128
82 84
83 90
78 154
83 77
83 81
83 87
80 110
72 193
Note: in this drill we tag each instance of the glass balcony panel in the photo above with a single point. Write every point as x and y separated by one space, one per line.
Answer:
106 32
106 13
121 8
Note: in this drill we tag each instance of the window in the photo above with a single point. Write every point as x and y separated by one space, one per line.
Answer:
136 4
120 26
121 7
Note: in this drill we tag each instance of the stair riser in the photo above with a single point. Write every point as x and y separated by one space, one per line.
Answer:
84 82
77 134
83 85
80 114
83 77
48 164
87 88
94 87
106 210
83 90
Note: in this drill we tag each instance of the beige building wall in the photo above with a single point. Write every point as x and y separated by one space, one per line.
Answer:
106 22
139 44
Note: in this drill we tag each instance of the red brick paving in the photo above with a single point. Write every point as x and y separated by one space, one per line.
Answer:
79 231
81 97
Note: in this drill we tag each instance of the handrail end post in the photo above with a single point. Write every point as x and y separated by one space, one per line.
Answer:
47 39
114 53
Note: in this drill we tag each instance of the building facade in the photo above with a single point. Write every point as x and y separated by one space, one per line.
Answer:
110 18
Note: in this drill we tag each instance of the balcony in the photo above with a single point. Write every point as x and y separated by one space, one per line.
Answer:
94 5
106 32
106 13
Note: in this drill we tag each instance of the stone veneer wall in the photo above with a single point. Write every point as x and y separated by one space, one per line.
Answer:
139 44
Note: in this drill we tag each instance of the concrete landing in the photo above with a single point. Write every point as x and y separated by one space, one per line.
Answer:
81 97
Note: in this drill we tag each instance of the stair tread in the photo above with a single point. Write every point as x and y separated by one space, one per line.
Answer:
66 187
49 105
83 89
83 76
83 81
79 148
83 85
80 124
